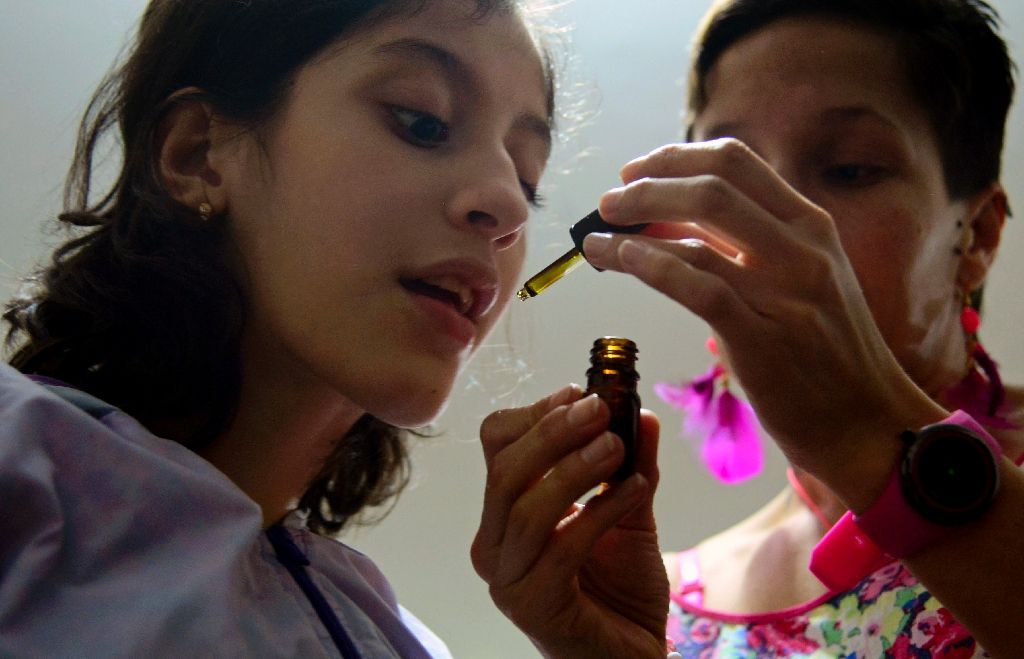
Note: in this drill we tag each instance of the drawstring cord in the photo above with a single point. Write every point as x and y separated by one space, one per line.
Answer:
292 558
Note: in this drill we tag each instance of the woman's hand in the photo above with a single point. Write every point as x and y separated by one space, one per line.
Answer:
579 580
763 265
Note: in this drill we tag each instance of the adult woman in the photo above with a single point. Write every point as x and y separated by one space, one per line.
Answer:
296 176
839 208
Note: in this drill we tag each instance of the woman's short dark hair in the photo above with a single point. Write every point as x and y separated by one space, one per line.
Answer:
139 306
957 64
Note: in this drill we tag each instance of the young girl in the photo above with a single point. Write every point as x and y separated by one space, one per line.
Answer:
317 220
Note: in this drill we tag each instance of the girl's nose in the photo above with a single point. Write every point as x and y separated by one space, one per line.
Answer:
490 199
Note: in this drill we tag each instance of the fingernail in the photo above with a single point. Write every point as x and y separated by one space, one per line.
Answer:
629 166
599 449
596 244
633 487
583 410
633 252
563 395
611 201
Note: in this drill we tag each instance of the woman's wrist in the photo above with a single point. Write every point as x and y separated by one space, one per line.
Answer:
870 448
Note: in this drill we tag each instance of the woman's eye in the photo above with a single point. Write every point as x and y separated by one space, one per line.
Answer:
420 128
852 174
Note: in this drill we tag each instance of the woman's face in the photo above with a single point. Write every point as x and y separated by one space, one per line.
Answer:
826 103
379 223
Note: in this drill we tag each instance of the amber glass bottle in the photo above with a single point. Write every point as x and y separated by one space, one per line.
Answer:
612 376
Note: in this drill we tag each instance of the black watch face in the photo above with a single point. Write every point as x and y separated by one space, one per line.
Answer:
949 475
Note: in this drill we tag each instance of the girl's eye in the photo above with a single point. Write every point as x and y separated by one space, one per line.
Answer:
426 130
532 196
855 175
420 128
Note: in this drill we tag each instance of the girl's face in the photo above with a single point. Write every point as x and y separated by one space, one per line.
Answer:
826 103
379 223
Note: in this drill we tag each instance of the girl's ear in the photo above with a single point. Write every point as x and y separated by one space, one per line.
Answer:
983 228
183 141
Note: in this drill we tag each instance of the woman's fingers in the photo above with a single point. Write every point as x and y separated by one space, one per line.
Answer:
705 292
729 239
728 159
604 251
723 194
713 203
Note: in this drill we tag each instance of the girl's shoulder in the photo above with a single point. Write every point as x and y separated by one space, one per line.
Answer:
74 457
106 516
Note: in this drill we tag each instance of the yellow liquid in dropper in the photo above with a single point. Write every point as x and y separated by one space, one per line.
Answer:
549 275
574 257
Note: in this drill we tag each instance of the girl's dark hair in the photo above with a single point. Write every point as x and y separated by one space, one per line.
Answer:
139 307
958 67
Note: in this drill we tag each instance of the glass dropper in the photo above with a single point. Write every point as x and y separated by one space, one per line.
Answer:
572 259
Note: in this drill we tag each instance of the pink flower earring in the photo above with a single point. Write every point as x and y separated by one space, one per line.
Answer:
731 446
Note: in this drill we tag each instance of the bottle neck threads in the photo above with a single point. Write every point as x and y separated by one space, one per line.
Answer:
613 360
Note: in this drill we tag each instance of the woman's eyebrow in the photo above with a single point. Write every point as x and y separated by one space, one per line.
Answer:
853 113
844 114
452 67
721 130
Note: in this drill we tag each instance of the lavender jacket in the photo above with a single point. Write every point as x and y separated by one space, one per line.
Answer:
117 543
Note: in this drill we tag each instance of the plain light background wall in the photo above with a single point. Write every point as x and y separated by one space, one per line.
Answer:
626 65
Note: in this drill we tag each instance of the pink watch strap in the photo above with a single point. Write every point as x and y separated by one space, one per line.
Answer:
892 508
845 555
860 544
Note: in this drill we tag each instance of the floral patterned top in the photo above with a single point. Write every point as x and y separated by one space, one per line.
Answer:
888 614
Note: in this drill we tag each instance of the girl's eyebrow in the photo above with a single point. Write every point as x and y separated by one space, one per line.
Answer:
448 62
536 126
453 68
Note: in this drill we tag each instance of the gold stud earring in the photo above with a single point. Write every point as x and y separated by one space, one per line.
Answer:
205 211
